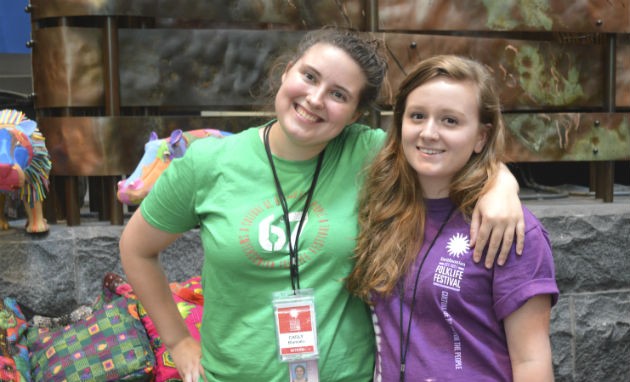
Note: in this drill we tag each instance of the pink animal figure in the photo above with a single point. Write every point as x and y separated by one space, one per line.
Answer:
24 168
158 154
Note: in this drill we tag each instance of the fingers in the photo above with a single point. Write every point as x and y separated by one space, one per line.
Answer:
193 375
520 236
187 357
506 245
497 235
493 248
498 243
474 230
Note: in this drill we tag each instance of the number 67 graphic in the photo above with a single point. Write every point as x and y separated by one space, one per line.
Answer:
268 232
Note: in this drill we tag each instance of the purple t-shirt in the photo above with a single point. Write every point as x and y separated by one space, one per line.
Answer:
457 329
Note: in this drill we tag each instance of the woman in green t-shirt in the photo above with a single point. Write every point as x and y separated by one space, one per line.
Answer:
276 211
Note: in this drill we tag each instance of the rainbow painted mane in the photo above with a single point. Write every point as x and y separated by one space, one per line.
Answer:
24 167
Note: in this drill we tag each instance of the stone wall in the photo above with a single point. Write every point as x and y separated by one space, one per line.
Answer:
590 328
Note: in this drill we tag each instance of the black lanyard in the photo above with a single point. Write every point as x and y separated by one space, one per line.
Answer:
293 250
404 350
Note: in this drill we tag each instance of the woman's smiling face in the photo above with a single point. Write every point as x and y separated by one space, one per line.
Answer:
440 131
318 97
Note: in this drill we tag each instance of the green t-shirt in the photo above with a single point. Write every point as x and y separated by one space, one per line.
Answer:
226 188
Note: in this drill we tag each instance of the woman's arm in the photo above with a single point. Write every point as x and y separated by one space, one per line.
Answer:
527 331
140 245
496 218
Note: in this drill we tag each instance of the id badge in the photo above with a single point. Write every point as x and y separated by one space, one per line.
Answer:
296 330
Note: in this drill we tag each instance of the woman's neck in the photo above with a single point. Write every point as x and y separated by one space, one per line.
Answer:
435 192
282 147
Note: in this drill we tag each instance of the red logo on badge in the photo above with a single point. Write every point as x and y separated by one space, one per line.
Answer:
294 319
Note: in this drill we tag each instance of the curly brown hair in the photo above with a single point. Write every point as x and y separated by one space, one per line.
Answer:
366 50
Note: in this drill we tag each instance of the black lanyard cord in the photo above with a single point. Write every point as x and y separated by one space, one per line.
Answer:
405 349
293 249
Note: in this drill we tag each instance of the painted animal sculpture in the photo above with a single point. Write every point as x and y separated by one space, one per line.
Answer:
24 168
158 154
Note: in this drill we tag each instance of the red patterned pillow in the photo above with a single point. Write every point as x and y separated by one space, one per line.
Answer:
189 299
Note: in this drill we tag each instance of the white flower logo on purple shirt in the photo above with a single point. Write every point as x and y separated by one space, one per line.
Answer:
458 245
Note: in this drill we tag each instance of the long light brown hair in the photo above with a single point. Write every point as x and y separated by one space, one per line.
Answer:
391 206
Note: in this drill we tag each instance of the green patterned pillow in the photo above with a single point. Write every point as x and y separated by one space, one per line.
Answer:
109 345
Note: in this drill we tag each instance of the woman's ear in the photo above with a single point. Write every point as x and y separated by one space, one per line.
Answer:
482 137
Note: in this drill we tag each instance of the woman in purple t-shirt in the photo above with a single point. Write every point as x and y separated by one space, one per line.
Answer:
437 314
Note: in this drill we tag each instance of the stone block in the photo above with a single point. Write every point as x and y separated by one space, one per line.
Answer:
590 245
602 336
561 332
54 274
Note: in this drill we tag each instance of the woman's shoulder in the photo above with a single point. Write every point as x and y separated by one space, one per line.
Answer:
532 224
211 149
537 241
213 142
358 139
357 130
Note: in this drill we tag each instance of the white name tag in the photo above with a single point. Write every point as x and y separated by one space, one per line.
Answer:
296 329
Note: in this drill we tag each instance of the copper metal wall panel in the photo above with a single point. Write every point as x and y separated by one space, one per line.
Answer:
102 146
221 68
90 145
531 74
68 67
61 8
593 16
569 137
198 67
195 68
201 68
299 13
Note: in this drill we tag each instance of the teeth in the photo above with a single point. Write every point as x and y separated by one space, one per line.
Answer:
429 151
302 113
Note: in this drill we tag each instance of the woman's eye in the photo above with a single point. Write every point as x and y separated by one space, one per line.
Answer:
417 116
309 77
339 95
450 121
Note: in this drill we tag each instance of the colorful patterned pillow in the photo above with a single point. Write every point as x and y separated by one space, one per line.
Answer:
189 299
109 345
14 364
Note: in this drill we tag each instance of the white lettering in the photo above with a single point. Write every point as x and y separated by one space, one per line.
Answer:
457 343
273 238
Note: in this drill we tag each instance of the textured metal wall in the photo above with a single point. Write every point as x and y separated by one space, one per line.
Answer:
574 16
105 72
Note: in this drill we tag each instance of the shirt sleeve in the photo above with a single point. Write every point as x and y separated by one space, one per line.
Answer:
170 205
523 277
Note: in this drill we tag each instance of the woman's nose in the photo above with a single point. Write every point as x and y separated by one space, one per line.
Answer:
429 130
316 97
